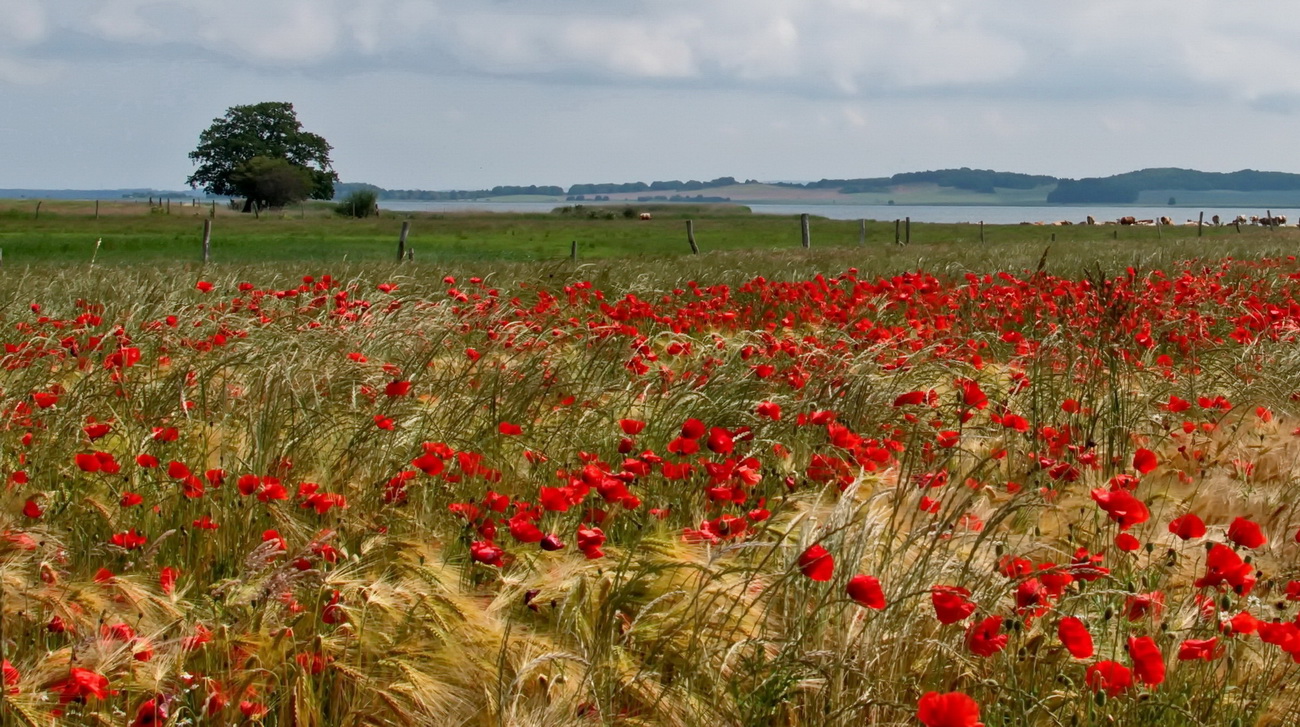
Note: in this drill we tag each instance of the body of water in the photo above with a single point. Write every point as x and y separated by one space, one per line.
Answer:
993 215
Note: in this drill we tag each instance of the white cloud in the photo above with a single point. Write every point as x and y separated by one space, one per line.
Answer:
782 89
24 21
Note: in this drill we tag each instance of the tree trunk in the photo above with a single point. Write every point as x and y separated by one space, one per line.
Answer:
248 205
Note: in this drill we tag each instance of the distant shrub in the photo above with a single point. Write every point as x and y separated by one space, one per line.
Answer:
361 203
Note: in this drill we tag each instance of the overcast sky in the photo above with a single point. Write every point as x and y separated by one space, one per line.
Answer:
441 94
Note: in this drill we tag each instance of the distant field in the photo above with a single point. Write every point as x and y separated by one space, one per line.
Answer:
66 232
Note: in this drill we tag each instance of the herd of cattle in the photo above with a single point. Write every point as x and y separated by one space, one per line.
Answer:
1263 220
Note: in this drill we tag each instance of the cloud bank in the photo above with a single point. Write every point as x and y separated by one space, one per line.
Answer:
942 73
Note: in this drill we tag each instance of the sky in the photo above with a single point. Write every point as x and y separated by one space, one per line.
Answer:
464 94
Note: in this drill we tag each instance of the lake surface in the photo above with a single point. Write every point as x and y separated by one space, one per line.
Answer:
993 215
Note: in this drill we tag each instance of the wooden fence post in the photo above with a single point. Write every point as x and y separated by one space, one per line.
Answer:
207 239
1237 224
907 232
690 237
96 209
1053 237
1272 224
401 241
981 232
862 232
213 212
897 228
169 205
573 251
805 232
38 210
1160 231
1200 224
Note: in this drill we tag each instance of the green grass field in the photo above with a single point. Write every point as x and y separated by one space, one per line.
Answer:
66 233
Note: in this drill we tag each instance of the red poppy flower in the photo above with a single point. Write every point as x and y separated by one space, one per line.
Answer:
45 399
167 579
1074 635
130 540
80 684
1109 676
971 393
953 709
1139 606
951 603
1122 507
984 638
589 542
1148 662
486 553
1193 649
1144 460
397 388
510 430
911 398
1243 623
86 462
720 441
693 429
1224 565
1187 527
1127 543
31 509
151 712
1246 533
817 563
866 591
203 286
769 409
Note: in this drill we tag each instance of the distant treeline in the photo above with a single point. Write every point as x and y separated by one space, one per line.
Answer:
984 181
1124 188
1117 189
575 191
344 189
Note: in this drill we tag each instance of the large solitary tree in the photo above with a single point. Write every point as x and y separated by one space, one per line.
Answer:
261 153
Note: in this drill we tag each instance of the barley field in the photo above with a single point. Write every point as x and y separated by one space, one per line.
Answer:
940 486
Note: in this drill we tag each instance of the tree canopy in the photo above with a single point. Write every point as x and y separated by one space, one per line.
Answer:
261 153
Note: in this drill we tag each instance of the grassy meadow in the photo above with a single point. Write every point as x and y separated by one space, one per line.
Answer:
946 484
67 231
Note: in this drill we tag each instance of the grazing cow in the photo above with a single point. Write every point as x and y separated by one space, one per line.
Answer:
1241 220
645 215
1215 221
1166 221
1128 220
1091 221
